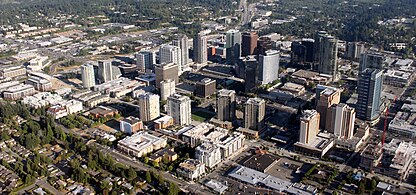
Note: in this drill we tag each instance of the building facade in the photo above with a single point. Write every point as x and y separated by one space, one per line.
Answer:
249 43
269 67
226 105
200 48
149 106
167 88
309 126
145 61
179 107
369 94
254 113
165 72
205 88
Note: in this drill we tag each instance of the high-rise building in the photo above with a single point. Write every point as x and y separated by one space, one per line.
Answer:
254 113
249 43
328 60
149 106
233 46
248 70
354 50
264 44
145 61
183 43
302 51
200 48
170 54
167 88
87 75
369 89
269 67
317 45
179 108
205 88
371 60
342 121
309 126
105 71
226 105
166 71
328 97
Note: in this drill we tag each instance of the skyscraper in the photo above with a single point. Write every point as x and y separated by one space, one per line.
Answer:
342 121
354 50
328 97
264 44
205 88
233 46
309 126
254 113
317 45
369 89
248 70
328 60
200 48
149 106
249 43
170 54
166 71
302 51
167 88
145 61
87 75
179 108
269 67
226 105
183 43
371 60
105 71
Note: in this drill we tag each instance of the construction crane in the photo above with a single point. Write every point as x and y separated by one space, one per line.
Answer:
383 138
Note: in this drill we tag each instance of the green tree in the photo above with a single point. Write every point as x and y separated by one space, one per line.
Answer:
148 177
173 189
132 174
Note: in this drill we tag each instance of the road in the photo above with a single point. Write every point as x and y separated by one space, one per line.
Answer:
247 12
42 183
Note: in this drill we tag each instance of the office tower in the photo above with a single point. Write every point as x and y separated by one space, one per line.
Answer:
328 97
317 45
264 44
328 60
254 112
105 71
309 126
166 71
309 46
167 88
354 50
233 46
116 72
205 88
179 108
371 60
302 51
248 70
226 105
149 106
342 121
369 89
171 54
145 61
87 75
183 43
249 43
269 67
200 48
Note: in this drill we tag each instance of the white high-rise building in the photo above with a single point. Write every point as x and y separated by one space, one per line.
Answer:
255 110
170 54
87 75
145 60
183 43
149 106
105 71
309 126
269 67
344 119
167 88
200 48
179 108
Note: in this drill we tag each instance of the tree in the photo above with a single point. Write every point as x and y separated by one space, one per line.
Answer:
173 189
361 188
146 160
148 177
131 174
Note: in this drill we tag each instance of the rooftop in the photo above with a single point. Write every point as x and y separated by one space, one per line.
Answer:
260 162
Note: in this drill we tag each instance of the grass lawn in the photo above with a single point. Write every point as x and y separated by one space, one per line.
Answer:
201 116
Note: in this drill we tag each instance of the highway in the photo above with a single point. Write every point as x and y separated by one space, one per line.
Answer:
247 12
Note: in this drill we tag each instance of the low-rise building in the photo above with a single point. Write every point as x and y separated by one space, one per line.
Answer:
306 77
293 88
18 92
97 100
203 132
398 78
72 106
163 122
102 111
191 169
209 154
131 125
6 85
404 123
57 112
42 99
12 71
166 154
38 63
205 88
141 143
318 147
39 83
